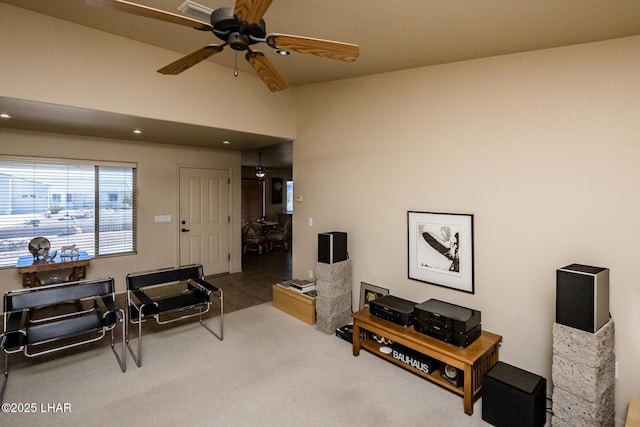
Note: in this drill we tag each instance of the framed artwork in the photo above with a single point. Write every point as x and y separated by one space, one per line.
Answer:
370 292
441 249
276 191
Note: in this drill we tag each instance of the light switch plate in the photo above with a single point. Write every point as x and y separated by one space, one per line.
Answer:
163 218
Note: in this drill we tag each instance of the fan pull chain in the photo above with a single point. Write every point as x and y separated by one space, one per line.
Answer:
235 70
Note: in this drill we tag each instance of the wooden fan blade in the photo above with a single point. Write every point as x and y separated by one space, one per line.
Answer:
251 11
149 12
267 71
190 60
326 48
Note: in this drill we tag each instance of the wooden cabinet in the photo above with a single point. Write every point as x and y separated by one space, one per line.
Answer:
295 304
473 361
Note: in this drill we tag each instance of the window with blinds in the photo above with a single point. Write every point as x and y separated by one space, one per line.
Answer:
89 205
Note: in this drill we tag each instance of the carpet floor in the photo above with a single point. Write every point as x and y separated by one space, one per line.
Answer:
270 370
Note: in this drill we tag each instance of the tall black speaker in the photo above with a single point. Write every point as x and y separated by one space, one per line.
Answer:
332 247
582 297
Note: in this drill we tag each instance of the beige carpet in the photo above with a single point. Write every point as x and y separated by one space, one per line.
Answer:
270 370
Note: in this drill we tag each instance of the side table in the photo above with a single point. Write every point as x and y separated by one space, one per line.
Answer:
29 268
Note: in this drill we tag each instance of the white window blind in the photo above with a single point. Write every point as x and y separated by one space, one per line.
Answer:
90 205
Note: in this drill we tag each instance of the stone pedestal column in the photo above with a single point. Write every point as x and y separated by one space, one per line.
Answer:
583 373
333 303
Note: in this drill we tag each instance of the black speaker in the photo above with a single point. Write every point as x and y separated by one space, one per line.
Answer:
582 297
513 397
332 247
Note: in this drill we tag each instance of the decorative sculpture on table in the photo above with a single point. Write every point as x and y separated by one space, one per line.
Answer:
69 251
50 256
39 247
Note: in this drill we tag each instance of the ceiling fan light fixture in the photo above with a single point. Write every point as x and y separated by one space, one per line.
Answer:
195 10
260 171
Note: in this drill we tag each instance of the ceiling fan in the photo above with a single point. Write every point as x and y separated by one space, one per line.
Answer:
239 27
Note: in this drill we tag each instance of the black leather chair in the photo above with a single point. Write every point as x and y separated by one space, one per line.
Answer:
183 293
36 324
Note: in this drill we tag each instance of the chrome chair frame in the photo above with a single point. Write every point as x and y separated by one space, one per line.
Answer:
22 333
194 300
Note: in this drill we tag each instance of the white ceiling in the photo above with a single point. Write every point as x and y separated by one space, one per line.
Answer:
392 35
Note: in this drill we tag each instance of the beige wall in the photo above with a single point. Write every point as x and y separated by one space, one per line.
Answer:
542 148
157 194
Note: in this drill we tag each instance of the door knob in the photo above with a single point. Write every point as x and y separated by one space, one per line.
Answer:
184 230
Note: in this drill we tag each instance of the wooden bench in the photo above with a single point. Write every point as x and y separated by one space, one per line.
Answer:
46 319
168 295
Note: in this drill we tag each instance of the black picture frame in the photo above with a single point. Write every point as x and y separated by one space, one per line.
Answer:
440 249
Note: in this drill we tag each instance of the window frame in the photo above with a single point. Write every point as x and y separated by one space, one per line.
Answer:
100 249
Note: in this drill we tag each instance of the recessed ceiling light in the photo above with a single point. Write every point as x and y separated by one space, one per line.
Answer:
283 52
5 116
137 131
225 142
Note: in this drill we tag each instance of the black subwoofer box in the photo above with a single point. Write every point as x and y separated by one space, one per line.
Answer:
582 297
513 397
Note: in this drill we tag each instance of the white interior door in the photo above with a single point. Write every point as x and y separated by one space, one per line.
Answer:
204 218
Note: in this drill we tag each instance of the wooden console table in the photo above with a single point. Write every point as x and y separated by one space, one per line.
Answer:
474 360
29 269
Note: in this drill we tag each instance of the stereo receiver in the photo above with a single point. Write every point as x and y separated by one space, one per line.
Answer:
393 309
